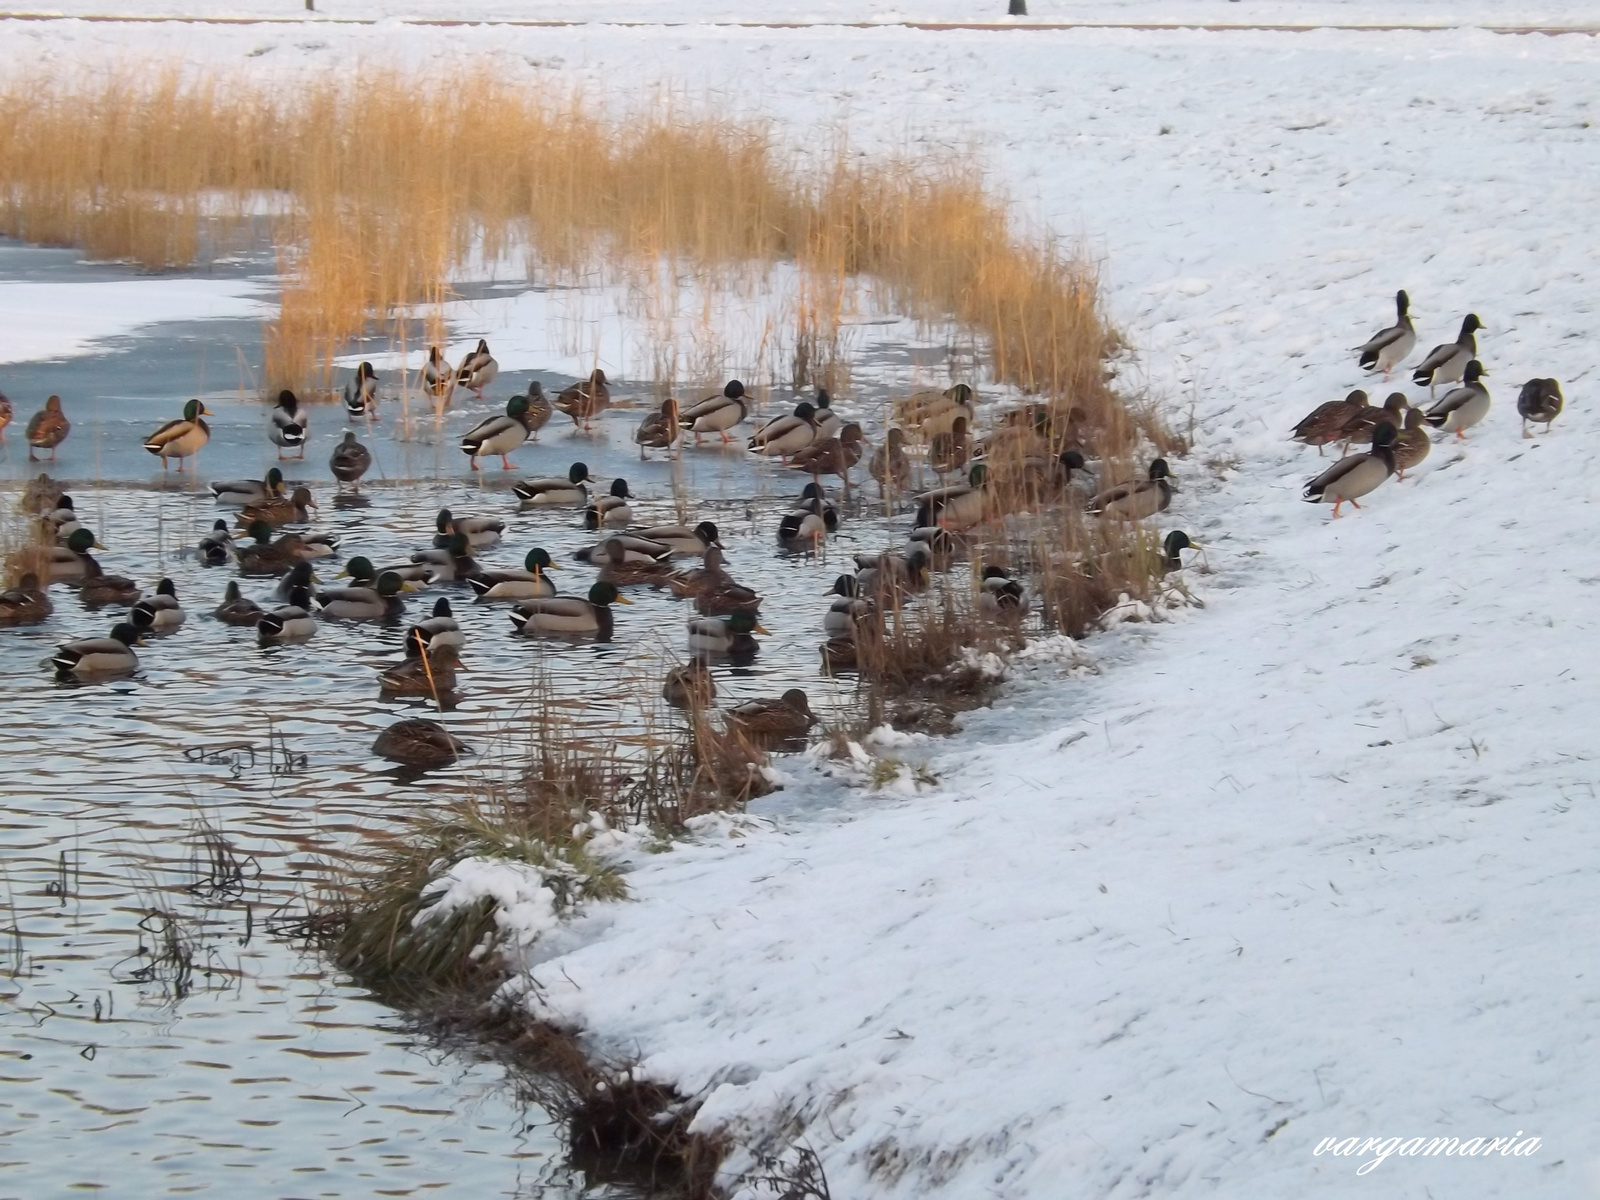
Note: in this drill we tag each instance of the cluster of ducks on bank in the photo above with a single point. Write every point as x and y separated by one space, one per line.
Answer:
1398 432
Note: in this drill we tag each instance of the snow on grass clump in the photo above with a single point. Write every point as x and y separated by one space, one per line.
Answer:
520 902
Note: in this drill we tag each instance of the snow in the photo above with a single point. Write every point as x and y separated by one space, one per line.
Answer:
49 320
524 907
1313 861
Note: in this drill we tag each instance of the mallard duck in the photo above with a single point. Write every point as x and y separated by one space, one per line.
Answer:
949 449
959 507
531 583
1138 500
291 622
25 604
933 412
1461 408
587 400
612 509
1369 418
828 422
681 539
904 570
419 742
783 436
361 398
1172 547
716 593
286 424
5 416
498 435
1411 444
267 557
889 465
570 615
438 378
773 723
163 610
833 455
350 460
182 438
237 608
659 430
48 428
624 560
848 608
480 532
1448 363
477 371
293 509
377 599
216 547
724 635
1388 348
111 655
430 672
248 491
449 563
441 629
318 545
812 519
1357 474
540 410
301 575
999 594
716 414
61 523
1327 422
689 686
97 589
557 491
42 495
839 654
1540 401
73 561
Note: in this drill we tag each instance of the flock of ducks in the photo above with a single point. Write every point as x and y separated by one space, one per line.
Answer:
271 537
1397 431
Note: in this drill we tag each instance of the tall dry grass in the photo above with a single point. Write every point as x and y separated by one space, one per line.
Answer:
389 190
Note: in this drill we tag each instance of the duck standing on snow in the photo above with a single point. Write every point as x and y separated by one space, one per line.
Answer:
569 614
182 438
349 461
1172 551
1357 474
1388 348
1539 401
498 435
1463 407
584 401
286 425
659 430
570 490
783 436
1448 363
1369 418
237 608
1411 444
47 429
716 414
362 401
1136 501
1327 422
478 369
111 655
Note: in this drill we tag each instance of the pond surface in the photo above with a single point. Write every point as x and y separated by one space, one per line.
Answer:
213 786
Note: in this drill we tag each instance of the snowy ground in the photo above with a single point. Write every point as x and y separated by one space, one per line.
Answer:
1316 861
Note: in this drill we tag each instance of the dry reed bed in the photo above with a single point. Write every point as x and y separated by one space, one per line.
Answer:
390 190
